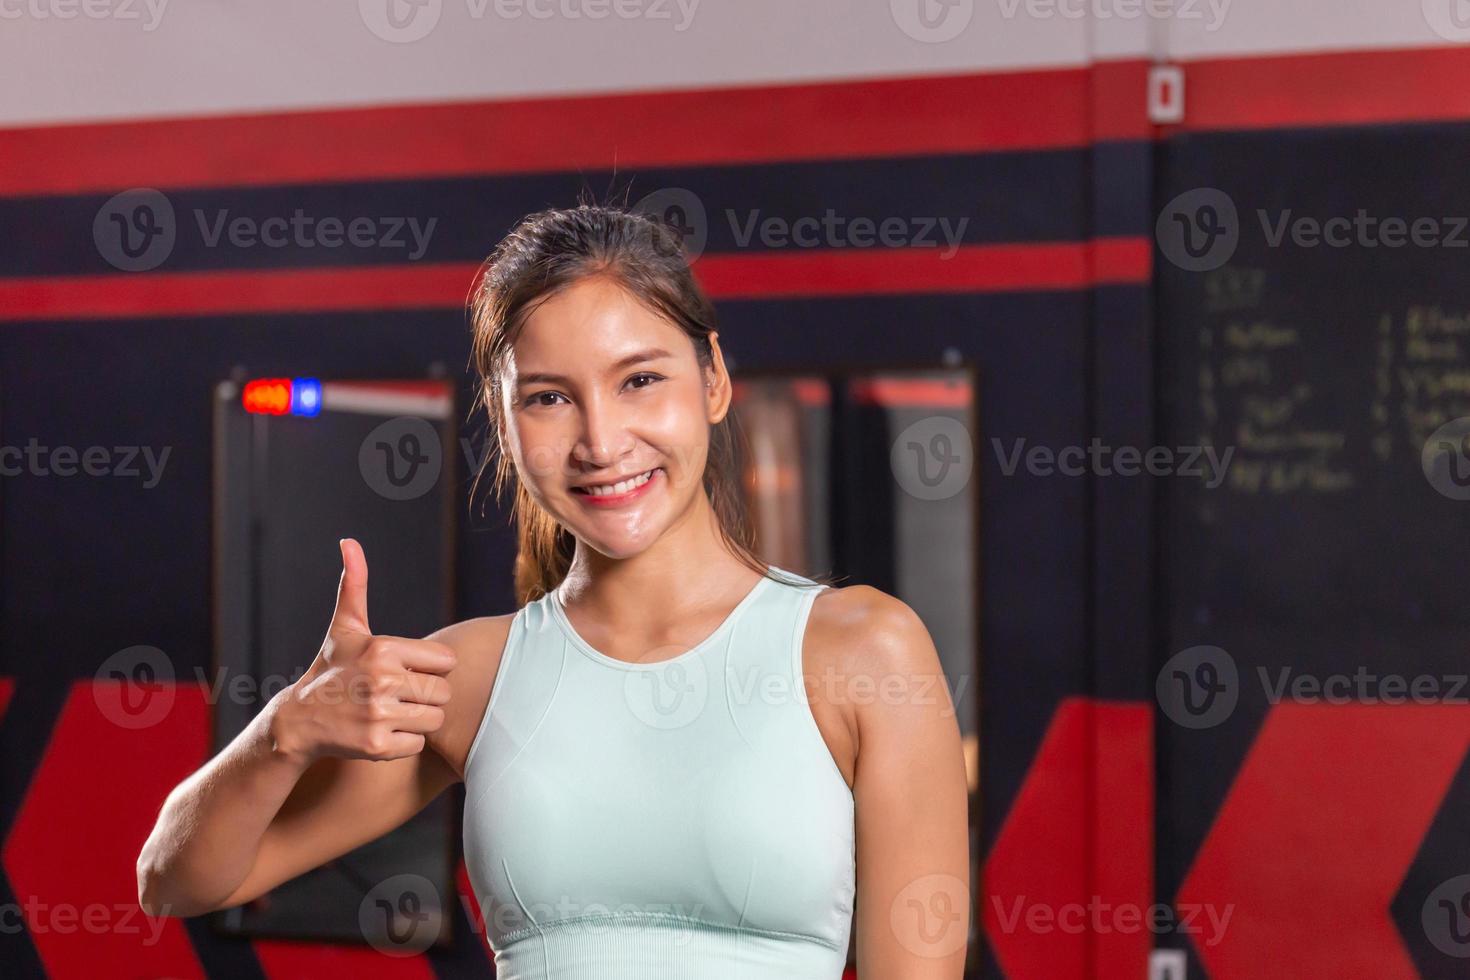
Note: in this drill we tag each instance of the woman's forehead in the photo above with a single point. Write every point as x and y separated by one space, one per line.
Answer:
591 323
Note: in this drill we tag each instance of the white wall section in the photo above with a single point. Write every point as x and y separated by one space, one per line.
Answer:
77 60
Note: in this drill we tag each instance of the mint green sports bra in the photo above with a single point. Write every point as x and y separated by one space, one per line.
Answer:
662 821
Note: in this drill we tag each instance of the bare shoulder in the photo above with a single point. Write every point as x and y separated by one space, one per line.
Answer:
858 629
863 651
479 644
469 635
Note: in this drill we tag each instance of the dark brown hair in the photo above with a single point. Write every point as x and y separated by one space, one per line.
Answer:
543 255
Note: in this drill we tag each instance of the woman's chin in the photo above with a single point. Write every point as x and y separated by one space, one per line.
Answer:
617 549
618 543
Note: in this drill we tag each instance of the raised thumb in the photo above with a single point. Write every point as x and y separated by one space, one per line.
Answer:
351 612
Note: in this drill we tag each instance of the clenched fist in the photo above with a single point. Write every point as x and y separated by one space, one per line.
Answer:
364 696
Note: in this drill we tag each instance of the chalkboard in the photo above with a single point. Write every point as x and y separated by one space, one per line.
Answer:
1329 372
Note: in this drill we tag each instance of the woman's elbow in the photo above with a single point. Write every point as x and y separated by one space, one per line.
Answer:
158 900
150 892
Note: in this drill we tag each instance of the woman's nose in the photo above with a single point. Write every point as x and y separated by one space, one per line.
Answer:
604 437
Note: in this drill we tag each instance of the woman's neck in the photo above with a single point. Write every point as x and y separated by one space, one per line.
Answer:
689 566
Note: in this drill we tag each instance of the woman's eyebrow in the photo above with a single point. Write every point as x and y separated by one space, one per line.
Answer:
637 357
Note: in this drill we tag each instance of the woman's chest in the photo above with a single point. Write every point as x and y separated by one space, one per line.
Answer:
719 813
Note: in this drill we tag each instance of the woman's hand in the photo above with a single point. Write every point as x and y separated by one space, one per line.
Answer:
364 696
309 779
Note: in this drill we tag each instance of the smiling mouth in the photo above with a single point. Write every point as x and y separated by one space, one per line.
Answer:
616 489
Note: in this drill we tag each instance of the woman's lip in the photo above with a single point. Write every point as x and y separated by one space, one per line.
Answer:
612 500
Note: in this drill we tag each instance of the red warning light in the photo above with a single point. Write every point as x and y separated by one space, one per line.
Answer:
267 396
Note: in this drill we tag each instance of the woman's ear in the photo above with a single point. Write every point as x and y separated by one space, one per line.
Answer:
717 389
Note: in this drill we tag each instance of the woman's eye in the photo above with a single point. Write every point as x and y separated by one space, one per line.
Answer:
535 399
651 379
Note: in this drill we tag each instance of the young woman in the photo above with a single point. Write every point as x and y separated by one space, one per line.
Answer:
680 762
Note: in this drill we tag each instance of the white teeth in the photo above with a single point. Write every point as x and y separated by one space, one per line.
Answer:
608 490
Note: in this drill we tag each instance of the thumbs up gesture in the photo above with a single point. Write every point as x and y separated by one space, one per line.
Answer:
364 696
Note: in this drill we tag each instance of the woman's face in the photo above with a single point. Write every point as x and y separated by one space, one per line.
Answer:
607 416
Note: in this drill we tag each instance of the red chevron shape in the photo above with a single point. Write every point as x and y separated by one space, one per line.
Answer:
7 688
1315 836
72 852
1068 885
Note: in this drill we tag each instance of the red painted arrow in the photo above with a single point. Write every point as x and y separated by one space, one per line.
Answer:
1070 877
1315 836
71 854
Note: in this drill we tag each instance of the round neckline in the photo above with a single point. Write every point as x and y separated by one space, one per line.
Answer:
559 613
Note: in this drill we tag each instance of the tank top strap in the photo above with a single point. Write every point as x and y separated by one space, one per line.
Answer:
764 680
525 683
769 640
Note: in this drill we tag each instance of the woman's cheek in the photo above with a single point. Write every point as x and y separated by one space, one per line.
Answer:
683 434
538 464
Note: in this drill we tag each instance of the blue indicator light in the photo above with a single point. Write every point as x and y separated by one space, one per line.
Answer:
306 396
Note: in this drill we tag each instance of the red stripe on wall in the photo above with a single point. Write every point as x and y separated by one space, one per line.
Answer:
222 293
970 113
978 268
1119 101
690 127
912 393
812 393
1330 89
806 392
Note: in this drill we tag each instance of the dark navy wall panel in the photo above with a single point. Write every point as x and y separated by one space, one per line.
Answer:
986 198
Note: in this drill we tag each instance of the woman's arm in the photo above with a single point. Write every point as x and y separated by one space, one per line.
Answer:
913 854
333 761
255 816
